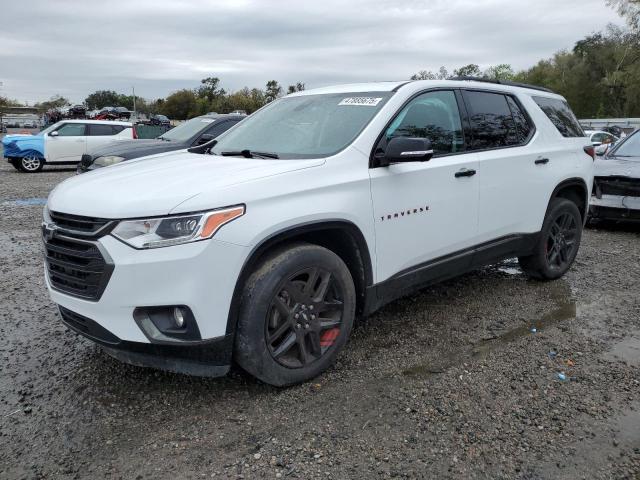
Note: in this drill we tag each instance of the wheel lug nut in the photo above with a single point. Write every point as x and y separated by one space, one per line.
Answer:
310 307
296 315
306 325
297 325
313 317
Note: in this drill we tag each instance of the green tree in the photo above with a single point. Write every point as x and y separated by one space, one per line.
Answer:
298 87
442 74
499 72
273 90
102 98
180 105
57 101
471 70
629 10
210 89
8 102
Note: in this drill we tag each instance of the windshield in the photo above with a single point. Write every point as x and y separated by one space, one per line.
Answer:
188 129
307 126
629 148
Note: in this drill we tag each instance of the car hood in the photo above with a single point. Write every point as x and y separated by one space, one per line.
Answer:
147 188
136 148
617 166
16 137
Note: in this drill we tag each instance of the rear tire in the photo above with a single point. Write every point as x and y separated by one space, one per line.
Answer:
296 314
558 243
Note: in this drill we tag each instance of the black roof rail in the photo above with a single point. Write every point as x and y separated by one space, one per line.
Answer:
503 82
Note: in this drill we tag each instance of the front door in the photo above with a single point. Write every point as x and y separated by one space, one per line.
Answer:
69 145
424 211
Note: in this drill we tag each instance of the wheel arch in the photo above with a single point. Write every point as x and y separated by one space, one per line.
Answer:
574 189
342 237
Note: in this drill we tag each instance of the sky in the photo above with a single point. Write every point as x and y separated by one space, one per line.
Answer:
74 47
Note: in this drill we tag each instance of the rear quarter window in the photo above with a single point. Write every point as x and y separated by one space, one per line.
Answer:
496 120
561 116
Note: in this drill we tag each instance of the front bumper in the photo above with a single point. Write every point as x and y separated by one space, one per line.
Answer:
209 358
200 275
615 207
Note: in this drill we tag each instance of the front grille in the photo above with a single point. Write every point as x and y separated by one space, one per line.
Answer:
87 327
84 226
617 185
76 267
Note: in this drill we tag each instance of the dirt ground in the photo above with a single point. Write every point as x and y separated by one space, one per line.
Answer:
450 383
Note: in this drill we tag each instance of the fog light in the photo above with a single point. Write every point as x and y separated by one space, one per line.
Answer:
178 317
167 324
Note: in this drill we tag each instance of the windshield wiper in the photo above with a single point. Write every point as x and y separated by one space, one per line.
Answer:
249 154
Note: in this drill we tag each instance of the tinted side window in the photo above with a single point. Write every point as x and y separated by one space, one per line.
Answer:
520 122
560 115
71 130
219 128
492 123
117 128
100 130
432 115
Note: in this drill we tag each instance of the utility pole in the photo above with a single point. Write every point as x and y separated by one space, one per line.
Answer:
135 115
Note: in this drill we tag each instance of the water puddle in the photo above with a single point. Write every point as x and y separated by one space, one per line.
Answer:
563 311
24 202
509 266
627 351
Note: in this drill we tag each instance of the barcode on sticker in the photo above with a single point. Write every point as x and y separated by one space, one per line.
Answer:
362 101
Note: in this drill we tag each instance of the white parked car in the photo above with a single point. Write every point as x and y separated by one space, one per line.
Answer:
263 246
63 143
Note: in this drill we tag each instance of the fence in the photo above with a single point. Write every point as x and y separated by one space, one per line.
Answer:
150 131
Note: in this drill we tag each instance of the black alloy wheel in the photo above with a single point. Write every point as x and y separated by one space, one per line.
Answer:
561 241
296 313
304 318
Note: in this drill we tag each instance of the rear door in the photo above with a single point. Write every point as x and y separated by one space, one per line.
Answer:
100 134
68 145
425 210
510 164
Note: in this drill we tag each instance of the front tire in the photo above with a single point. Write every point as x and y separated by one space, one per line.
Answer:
558 244
31 164
296 314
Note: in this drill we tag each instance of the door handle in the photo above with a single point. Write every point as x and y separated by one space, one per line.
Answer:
541 161
465 172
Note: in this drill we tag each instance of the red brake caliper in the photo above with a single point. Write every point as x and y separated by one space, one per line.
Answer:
328 337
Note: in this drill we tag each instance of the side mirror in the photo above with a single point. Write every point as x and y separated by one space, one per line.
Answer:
54 134
204 139
407 149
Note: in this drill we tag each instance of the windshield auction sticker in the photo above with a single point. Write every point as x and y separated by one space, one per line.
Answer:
361 101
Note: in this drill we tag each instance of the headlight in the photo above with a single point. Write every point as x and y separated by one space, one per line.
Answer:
107 160
174 230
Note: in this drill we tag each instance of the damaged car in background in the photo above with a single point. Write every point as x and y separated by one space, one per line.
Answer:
616 186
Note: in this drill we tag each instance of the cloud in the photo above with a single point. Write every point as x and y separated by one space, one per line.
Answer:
75 47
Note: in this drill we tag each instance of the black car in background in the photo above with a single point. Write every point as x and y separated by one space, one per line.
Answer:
193 132
159 120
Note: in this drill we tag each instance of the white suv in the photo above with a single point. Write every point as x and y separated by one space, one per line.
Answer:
62 143
263 246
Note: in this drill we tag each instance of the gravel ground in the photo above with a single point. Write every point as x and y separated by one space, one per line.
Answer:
450 383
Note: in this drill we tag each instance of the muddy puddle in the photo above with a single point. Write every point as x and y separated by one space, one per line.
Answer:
565 309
